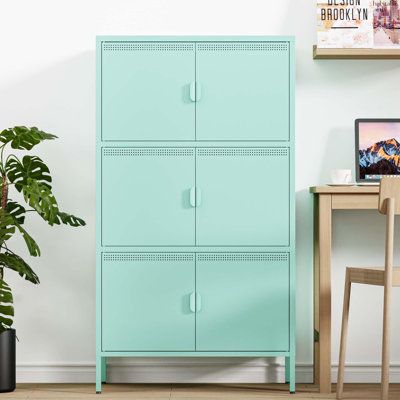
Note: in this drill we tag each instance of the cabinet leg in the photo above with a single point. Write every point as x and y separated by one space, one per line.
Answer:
99 363
292 374
287 369
104 369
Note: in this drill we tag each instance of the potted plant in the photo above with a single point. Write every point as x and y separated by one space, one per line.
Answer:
29 179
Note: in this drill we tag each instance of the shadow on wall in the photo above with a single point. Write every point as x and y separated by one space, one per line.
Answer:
339 152
59 99
304 275
61 96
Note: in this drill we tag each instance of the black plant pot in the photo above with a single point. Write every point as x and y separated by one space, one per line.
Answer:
7 361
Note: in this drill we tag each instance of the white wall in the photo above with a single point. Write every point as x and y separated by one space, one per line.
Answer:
47 78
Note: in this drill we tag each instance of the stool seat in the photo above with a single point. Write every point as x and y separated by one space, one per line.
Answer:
372 275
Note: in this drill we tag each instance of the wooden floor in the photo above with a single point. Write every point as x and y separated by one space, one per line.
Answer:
198 392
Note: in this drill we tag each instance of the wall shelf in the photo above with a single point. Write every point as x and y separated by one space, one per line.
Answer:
355 54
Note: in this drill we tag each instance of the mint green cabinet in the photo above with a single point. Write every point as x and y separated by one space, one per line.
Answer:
244 91
195 198
244 302
244 196
146 196
146 302
146 91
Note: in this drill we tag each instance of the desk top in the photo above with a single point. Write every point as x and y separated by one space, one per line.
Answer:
344 189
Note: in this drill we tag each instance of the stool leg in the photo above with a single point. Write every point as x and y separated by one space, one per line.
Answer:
343 336
386 343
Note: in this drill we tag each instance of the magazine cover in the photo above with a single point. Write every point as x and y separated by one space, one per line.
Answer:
345 24
386 21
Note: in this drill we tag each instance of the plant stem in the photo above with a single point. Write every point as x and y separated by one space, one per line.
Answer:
4 192
1 158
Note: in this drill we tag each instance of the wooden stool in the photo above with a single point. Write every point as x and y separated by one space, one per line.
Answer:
387 276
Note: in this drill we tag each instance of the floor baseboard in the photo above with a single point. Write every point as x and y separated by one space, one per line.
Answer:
201 371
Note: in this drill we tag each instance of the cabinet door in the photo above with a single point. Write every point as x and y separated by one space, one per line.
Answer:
244 196
145 302
145 91
244 302
145 196
244 91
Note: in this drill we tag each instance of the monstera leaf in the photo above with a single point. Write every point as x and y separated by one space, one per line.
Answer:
16 211
16 263
7 228
6 306
30 242
24 138
69 219
40 197
17 214
31 167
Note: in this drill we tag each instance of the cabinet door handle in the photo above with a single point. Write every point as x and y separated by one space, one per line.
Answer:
192 196
192 302
198 302
198 91
192 91
198 196
195 91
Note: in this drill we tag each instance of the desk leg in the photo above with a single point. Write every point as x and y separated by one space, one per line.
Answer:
322 291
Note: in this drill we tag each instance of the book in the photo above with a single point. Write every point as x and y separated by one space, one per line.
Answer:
386 24
345 24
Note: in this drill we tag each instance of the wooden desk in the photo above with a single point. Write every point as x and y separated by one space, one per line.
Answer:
327 199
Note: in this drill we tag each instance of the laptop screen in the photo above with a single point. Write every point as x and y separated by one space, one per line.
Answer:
377 148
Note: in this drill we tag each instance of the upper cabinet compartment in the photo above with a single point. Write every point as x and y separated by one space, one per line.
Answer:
146 89
244 91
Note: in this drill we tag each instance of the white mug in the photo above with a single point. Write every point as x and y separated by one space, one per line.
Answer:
341 176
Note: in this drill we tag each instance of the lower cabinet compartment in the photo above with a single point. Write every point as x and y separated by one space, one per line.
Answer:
195 302
244 302
145 302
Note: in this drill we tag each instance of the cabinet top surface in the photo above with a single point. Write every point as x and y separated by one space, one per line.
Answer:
182 38
344 189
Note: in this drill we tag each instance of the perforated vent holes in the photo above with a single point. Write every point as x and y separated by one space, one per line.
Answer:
147 46
248 152
121 257
240 46
146 152
242 257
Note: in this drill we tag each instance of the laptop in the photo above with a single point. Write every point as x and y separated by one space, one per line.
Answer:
377 149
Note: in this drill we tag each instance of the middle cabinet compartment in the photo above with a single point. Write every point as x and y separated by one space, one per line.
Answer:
209 196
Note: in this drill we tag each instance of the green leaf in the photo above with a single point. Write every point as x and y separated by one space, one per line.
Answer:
40 197
16 211
24 138
31 167
7 228
16 263
6 306
33 248
69 219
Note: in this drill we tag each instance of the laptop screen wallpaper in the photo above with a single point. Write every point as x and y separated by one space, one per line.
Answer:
379 149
